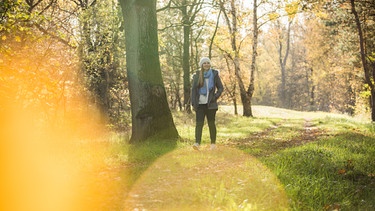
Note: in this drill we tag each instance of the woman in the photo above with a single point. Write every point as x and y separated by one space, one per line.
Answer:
206 89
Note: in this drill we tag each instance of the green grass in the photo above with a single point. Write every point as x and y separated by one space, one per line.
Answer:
280 159
330 166
321 161
336 170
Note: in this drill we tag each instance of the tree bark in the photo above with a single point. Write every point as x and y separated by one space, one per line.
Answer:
151 115
282 61
232 86
232 26
186 57
368 78
250 91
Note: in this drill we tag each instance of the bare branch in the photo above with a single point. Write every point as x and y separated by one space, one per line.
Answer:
53 35
166 7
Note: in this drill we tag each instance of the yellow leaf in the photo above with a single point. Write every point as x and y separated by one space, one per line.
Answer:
292 8
273 16
4 37
18 39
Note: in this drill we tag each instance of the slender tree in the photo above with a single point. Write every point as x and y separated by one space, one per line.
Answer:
282 63
230 16
151 115
367 63
247 111
189 10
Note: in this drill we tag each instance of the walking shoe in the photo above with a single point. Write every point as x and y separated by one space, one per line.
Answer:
213 146
196 146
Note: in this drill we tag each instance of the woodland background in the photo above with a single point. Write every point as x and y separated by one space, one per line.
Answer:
307 55
76 76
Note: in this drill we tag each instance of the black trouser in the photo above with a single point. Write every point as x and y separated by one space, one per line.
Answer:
201 112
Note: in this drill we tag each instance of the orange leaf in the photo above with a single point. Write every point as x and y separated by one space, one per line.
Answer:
342 171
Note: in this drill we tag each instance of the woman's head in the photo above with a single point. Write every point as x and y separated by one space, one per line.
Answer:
205 63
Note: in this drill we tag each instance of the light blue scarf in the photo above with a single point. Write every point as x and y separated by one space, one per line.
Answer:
210 75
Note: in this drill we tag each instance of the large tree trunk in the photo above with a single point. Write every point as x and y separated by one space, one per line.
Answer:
151 115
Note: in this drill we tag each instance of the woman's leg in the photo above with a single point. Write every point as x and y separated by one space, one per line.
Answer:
211 114
199 121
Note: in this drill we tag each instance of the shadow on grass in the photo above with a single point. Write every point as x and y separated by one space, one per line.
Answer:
144 154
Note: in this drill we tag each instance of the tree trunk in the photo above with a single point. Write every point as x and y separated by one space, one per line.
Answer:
232 26
312 92
283 75
186 57
231 88
246 103
282 61
368 78
214 35
250 91
151 115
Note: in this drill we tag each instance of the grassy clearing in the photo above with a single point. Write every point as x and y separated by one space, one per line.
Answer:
280 158
325 161
320 161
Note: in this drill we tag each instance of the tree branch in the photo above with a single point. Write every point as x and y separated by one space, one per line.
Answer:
164 8
65 42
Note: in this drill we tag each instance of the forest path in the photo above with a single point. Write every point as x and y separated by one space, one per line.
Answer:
284 134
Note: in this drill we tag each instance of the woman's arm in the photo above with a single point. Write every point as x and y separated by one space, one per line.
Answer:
219 86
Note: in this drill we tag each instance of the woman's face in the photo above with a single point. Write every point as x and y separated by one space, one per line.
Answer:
206 66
